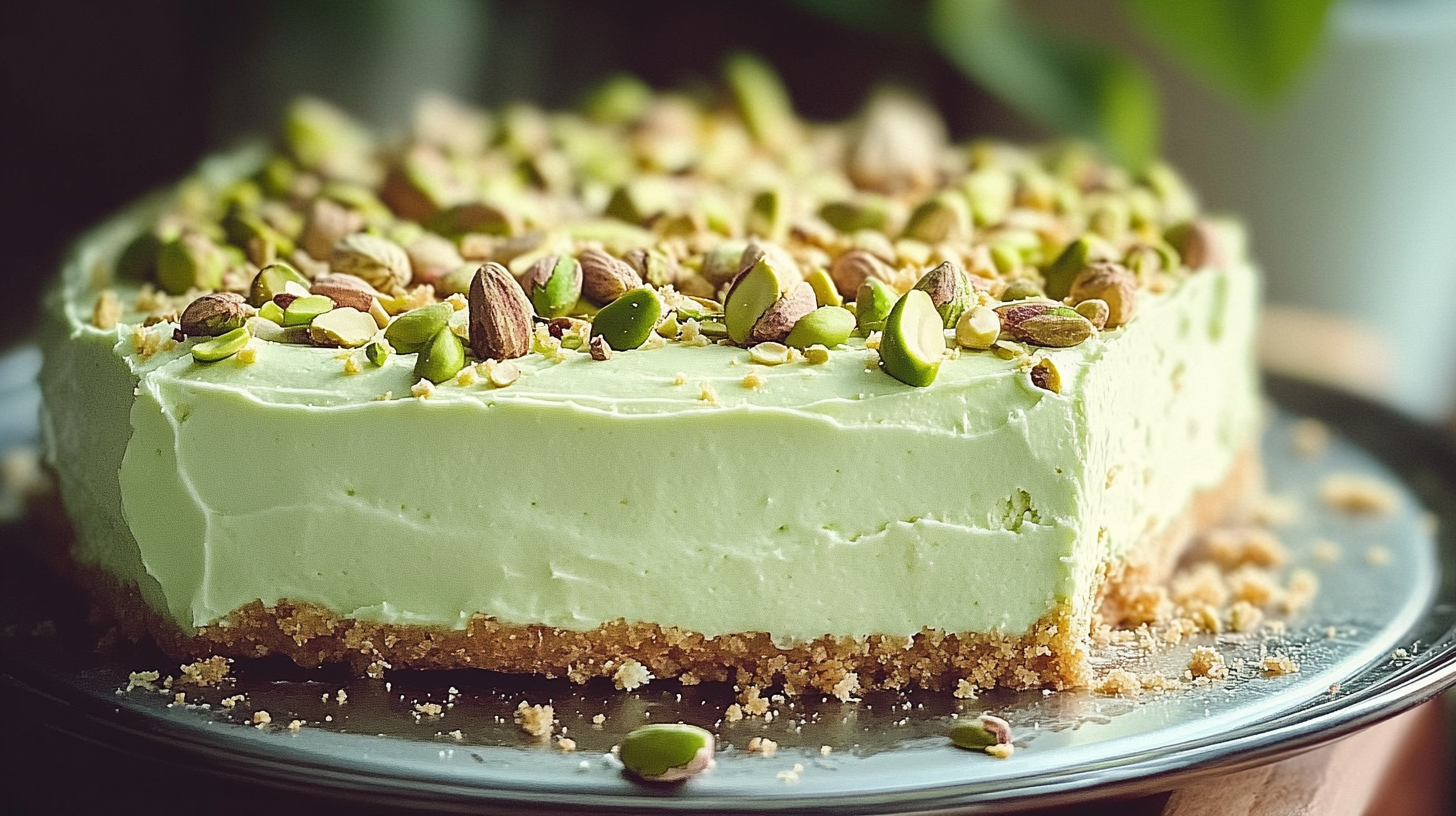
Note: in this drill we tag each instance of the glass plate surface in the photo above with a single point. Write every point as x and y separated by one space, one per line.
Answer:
1379 638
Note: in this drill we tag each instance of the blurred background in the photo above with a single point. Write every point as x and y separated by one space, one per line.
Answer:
1327 124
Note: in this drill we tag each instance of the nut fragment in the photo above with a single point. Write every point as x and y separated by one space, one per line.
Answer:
345 291
950 290
1111 283
328 223
215 314
554 284
1095 310
604 278
666 752
978 328
271 281
769 353
347 327
850 271
628 321
411 331
379 261
1198 244
1044 375
599 349
779 318
500 315
191 261
441 359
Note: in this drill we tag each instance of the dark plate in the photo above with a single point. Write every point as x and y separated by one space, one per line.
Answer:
1379 638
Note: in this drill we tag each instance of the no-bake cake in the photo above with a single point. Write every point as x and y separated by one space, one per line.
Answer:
665 387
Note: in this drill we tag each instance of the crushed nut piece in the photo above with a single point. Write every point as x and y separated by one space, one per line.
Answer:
535 720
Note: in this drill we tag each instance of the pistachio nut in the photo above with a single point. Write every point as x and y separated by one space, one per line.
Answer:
942 217
982 733
641 200
950 289
272 312
138 259
409 332
762 100
1198 243
666 752
599 349
869 211
978 328
328 223
769 353
872 305
826 326
190 261
301 311
457 280
989 193
850 270
1112 283
380 262
1095 310
781 316
500 315
270 281
628 321
221 347
723 262
1044 324
1044 375
783 263
345 327
653 266
378 352
604 278
825 292
345 291
271 332
896 144
750 295
215 314
1078 255
619 99
475 217
441 358
1021 289
248 231
913 344
768 215
325 139
554 285
431 257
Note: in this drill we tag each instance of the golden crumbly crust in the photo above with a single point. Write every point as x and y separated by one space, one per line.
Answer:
1052 655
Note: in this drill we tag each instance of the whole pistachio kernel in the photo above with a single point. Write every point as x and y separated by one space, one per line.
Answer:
270 281
1095 310
214 314
872 304
1079 254
1021 289
191 261
378 352
441 358
913 344
827 326
752 293
301 311
627 322
554 285
825 292
978 328
409 332
950 290
222 346
666 752
981 734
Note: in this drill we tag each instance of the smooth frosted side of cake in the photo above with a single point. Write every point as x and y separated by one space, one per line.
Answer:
833 500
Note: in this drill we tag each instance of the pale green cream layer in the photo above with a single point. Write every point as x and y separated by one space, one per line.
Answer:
833 500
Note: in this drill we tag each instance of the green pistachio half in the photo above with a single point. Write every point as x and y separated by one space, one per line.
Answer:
378 352
751 294
628 321
913 343
191 261
827 326
270 281
411 331
301 311
554 285
441 358
222 346
666 752
872 304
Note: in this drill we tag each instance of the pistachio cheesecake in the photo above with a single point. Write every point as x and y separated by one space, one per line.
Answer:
657 388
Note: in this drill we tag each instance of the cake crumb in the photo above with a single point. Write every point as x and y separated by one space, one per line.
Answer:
535 720
1119 683
754 380
1326 551
230 703
733 713
1359 495
598 719
467 377
1275 665
688 679
261 719
429 709
247 355
204 673
1233 548
679 379
145 680
180 698
351 365
456 735
424 389
753 702
1207 662
1199 585
566 745
376 669
1277 511
1310 437
1257 586
295 725
847 686
630 675
964 690
1244 617
825 750
762 745
341 696
1377 556
707 394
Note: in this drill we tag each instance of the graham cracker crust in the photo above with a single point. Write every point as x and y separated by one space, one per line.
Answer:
1053 654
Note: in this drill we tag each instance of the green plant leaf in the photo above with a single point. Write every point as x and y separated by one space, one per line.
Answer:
1071 86
1250 50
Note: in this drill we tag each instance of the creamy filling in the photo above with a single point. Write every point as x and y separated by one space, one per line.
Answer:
831 500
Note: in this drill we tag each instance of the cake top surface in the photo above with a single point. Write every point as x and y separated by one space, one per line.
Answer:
719 243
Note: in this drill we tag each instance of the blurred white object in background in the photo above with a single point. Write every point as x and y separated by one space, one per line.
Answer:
1349 188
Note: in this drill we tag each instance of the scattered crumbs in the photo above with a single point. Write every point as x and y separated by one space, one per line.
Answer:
762 745
248 355
261 719
424 389
566 745
1299 591
1277 511
825 750
733 713
873 340
1207 662
964 690
204 673
1231 548
707 394
1244 617
295 725
1275 665
429 710
466 377
1362 495
791 776
1119 683
630 675
1255 585
146 680
376 669
351 365
341 696
1310 437
754 380
754 705
107 312
385 397
535 720
1400 654
180 698
232 702
456 735
688 679
1377 556
598 719
1331 632
847 686
1199 585
584 765
679 379
1001 751
1326 551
